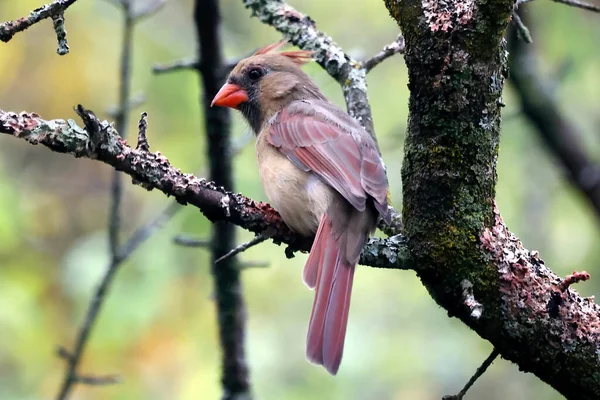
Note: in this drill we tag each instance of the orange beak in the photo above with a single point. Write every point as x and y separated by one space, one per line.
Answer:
230 95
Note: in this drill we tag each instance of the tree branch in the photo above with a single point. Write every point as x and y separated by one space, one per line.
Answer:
350 74
302 32
100 141
480 371
54 10
396 47
118 253
558 133
457 63
231 307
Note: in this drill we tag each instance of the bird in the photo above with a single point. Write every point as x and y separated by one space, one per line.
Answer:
321 171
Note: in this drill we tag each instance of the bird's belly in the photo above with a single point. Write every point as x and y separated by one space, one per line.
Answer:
300 197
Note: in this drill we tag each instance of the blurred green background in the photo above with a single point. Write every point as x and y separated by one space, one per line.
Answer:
158 329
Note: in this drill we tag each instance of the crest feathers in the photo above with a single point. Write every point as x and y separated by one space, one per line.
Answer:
299 57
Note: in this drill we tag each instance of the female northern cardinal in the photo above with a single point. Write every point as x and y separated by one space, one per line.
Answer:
321 171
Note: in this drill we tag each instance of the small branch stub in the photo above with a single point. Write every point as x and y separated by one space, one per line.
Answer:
186 64
473 305
575 277
54 10
142 143
397 47
522 30
61 33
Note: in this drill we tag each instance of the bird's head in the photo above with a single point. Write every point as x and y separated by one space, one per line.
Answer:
264 83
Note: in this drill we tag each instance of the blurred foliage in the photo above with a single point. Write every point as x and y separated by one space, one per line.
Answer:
158 328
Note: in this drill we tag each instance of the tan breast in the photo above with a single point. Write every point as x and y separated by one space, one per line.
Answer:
300 197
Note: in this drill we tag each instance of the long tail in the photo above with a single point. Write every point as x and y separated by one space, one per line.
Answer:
330 268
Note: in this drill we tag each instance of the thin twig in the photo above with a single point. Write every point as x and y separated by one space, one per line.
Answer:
252 264
480 371
396 47
117 255
122 122
52 10
186 64
187 241
242 247
301 31
189 64
137 238
522 30
100 141
99 380
144 232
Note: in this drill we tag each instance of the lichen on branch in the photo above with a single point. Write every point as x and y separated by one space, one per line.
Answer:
100 141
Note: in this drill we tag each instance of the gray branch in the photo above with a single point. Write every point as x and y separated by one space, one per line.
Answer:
300 29
54 10
100 141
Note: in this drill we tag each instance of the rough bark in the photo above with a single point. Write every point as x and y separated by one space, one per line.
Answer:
457 62
100 141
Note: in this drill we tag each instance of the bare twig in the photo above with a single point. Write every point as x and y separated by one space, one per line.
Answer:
475 307
54 10
117 253
350 74
522 30
396 47
252 264
137 238
480 371
144 232
242 247
188 64
100 142
99 380
302 32
187 241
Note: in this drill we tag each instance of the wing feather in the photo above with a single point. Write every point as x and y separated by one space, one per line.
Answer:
319 137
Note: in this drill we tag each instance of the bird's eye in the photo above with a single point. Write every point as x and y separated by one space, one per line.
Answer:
255 73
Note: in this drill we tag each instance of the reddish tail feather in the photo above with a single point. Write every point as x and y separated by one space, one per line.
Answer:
328 270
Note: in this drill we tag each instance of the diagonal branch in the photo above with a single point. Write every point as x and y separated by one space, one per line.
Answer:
100 141
302 32
559 133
